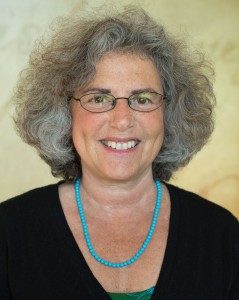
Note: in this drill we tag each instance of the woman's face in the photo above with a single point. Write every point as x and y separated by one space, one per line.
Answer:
121 75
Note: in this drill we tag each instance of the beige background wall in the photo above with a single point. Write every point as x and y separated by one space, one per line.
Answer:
211 25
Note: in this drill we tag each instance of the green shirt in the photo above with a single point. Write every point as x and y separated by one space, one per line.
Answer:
143 295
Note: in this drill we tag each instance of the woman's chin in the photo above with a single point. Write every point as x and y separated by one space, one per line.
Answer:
120 174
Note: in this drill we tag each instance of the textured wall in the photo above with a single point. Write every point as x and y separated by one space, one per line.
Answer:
211 25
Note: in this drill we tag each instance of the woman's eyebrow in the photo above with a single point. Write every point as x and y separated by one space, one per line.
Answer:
143 90
107 91
96 89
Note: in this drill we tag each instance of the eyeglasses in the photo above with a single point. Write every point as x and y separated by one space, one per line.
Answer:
100 102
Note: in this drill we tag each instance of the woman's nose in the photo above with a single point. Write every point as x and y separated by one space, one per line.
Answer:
122 116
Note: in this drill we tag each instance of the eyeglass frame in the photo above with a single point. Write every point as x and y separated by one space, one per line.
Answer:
163 97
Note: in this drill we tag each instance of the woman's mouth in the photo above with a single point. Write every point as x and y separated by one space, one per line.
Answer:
120 145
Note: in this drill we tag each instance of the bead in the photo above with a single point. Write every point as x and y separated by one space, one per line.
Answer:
137 255
87 236
141 250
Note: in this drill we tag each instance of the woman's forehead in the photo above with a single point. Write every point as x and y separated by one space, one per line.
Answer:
127 70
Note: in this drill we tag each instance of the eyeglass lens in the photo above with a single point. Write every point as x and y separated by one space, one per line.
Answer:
99 102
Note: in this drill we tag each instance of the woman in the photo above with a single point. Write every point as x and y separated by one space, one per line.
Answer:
114 105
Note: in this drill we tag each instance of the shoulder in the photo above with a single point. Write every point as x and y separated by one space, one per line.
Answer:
196 204
198 212
31 203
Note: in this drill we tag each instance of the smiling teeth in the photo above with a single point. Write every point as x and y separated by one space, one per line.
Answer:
121 146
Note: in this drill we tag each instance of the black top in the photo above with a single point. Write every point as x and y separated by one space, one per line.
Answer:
39 258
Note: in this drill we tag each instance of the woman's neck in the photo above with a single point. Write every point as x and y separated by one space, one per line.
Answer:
111 199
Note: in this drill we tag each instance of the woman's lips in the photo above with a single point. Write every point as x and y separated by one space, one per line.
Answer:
120 145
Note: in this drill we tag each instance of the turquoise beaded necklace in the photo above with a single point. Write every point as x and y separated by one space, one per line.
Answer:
145 243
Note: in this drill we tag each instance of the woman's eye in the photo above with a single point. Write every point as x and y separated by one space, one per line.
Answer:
143 100
99 99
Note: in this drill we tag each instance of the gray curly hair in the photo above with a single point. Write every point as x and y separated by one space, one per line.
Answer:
67 61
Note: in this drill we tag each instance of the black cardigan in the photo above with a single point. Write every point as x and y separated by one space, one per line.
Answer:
39 258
